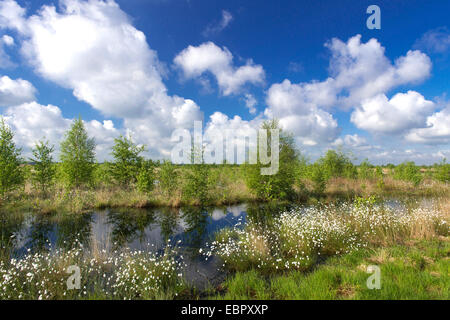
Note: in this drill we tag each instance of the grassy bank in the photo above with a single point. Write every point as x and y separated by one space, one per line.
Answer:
323 253
226 186
299 239
418 270
317 252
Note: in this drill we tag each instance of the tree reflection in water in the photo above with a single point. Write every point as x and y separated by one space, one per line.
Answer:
124 228
195 220
168 221
129 225
72 229
10 225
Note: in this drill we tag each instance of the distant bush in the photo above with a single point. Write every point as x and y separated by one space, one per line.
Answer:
146 177
408 171
365 170
127 161
380 178
167 176
197 183
318 178
337 164
442 171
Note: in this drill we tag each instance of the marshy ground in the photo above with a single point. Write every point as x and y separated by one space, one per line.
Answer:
267 252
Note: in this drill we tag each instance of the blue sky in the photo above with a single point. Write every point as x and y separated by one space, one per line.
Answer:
150 67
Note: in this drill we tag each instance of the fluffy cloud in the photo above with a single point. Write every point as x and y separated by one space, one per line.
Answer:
32 122
92 48
316 127
358 71
14 92
11 15
104 133
296 108
156 128
218 27
402 112
8 40
5 60
220 125
363 70
194 61
437 130
351 140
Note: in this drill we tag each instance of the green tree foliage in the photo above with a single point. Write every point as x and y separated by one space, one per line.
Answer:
365 170
77 155
337 164
127 161
44 170
168 179
197 183
408 171
11 172
317 175
102 174
146 177
380 178
302 172
442 171
279 185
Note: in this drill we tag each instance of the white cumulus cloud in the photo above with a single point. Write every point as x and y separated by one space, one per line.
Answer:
14 92
208 57
402 112
296 108
32 122
92 48
358 72
437 130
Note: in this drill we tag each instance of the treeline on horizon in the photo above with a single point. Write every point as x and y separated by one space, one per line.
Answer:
77 168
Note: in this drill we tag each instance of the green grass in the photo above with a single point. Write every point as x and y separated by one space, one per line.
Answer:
419 270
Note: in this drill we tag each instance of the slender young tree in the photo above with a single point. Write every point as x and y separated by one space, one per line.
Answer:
127 160
279 185
44 168
11 172
78 155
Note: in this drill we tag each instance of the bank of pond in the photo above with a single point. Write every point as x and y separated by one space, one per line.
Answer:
197 252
